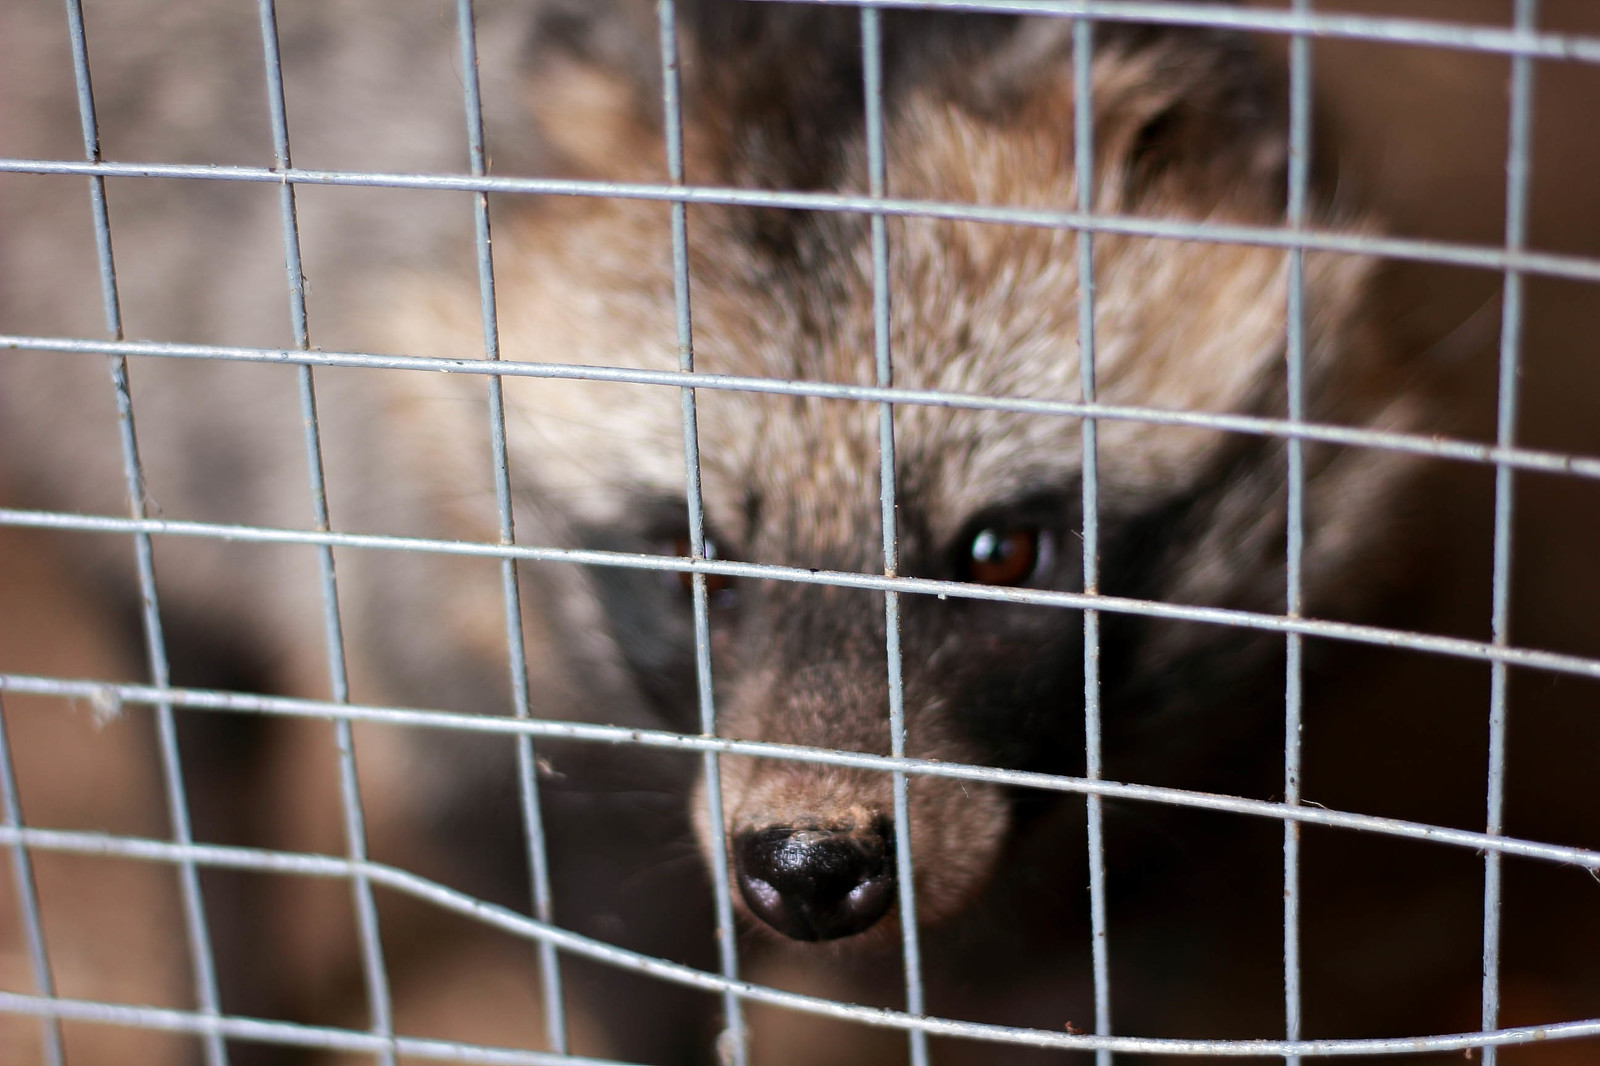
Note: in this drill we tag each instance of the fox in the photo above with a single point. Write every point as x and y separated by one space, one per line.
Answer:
1187 125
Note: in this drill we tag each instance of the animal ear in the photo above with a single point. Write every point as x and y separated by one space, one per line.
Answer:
1206 117
1172 107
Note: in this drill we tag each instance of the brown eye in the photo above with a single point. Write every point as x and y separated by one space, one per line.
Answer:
719 587
1003 555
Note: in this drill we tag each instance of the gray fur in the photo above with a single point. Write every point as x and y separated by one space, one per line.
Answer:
1184 129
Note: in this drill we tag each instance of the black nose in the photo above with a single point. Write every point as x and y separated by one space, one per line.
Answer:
816 884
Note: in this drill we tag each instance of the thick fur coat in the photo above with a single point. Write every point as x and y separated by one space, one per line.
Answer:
977 110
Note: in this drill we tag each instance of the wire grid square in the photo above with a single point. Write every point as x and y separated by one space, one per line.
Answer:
1523 43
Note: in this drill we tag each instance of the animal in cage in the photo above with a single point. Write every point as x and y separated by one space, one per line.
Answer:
977 110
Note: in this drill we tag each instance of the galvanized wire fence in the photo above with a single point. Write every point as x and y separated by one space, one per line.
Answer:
1523 42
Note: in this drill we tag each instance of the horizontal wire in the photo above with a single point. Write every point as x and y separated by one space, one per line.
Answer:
1420 250
410 884
1435 447
286 1034
1378 29
114 694
1456 647
1383 30
1396 31
27 902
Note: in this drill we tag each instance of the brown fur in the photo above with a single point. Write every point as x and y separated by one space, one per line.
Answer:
976 308
1182 130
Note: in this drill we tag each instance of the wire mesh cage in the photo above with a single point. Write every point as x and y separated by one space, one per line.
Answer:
528 581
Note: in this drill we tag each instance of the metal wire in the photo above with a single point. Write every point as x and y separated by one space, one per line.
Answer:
733 1045
28 900
555 1014
1523 43
511 922
877 177
281 1034
1378 29
1436 447
118 694
199 936
1457 647
1444 253
1518 151
369 937
1083 168
1294 378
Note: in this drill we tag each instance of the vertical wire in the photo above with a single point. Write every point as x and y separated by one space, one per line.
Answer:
28 900
1517 167
1294 327
1083 167
911 948
733 1043
527 763
201 958
349 784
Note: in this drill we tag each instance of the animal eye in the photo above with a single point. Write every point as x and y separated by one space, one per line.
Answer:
719 587
1006 555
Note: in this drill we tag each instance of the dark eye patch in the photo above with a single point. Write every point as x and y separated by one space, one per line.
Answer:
647 611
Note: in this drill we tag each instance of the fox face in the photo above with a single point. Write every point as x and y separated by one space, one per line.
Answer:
977 111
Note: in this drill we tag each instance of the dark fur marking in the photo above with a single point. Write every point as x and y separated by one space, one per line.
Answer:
1018 693
647 610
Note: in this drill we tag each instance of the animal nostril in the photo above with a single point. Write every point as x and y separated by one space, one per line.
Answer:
816 883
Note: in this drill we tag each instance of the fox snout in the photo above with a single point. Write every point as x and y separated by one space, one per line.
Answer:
811 848
817 882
